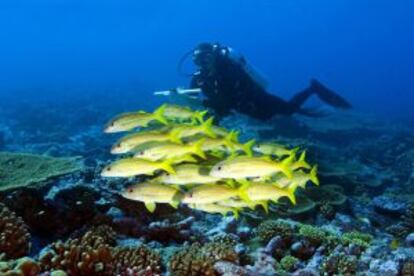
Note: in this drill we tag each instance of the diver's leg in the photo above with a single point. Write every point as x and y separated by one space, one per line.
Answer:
325 94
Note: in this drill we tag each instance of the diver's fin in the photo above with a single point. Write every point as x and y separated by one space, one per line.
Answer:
329 96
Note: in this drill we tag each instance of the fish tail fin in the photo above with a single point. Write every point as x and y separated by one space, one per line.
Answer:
291 192
302 161
207 128
230 139
294 150
248 147
198 148
242 190
233 136
159 114
198 116
175 136
284 167
166 165
314 175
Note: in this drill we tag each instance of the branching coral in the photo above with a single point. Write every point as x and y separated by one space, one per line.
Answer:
76 258
340 264
136 261
20 267
93 254
357 238
289 263
14 234
314 235
199 260
271 228
23 170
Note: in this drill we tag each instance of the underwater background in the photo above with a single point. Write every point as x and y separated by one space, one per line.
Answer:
68 67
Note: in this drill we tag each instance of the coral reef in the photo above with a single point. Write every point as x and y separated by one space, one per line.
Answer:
200 259
14 234
22 170
95 253
20 267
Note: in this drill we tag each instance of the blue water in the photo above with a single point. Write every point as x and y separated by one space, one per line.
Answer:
362 49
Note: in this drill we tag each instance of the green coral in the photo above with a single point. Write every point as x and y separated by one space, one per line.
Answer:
272 228
289 263
313 234
22 170
357 238
340 264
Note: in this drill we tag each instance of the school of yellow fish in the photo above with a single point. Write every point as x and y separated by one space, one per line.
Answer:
189 160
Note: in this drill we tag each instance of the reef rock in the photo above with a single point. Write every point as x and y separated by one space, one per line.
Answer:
389 205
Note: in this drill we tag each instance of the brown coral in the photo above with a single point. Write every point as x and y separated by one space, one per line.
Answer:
199 260
20 267
14 234
94 254
136 261
78 259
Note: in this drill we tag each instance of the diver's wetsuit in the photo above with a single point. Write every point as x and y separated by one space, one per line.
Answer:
227 86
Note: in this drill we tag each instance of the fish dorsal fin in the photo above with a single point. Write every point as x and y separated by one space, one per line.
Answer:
150 206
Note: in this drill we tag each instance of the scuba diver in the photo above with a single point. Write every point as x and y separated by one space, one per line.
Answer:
228 84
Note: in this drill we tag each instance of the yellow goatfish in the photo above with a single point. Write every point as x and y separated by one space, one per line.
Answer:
129 121
274 149
265 191
214 209
188 174
240 204
249 167
220 131
134 166
183 113
183 131
209 193
170 150
152 193
132 141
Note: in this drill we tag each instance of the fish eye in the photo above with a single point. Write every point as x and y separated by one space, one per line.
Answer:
219 168
108 169
167 174
119 145
141 153
130 190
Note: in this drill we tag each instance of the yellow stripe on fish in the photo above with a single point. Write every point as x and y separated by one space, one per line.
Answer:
130 121
171 151
134 166
249 167
152 193
188 174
